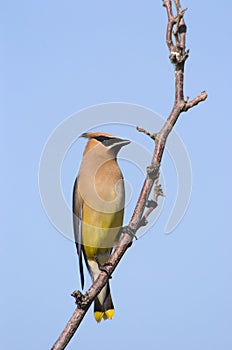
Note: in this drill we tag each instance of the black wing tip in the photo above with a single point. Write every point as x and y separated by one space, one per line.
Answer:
81 270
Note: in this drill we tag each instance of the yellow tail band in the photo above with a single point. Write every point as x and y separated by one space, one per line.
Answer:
109 314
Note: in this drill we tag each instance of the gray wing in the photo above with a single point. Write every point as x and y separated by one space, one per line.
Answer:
77 216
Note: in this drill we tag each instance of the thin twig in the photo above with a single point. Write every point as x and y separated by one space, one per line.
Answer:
195 101
178 56
153 203
146 132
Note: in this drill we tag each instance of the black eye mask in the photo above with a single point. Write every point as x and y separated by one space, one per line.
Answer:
107 141
102 139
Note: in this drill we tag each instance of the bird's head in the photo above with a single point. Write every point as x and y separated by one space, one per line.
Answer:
107 143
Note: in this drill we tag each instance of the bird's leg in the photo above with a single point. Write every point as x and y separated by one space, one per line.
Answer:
82 300
102 267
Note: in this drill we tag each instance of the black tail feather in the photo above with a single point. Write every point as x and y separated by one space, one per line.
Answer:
107 304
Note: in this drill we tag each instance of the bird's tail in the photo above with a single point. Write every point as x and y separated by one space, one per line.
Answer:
103 305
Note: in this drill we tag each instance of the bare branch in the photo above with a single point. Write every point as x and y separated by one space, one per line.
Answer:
171 22
148 133
202 97
152 204
180 29
178 56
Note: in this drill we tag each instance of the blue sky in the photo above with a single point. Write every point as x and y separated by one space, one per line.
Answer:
170 291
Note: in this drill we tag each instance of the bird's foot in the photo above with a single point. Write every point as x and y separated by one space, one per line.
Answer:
102 267
130 232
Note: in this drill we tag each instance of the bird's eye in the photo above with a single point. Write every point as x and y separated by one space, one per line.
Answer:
102 138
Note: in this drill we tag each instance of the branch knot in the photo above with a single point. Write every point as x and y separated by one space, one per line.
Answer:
153 171
82 300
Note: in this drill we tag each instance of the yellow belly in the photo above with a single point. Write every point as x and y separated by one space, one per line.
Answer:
100 232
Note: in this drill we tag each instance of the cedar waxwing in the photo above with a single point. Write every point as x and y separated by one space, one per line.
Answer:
98 207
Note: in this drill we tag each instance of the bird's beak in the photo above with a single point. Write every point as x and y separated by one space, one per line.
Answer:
118 144
124 142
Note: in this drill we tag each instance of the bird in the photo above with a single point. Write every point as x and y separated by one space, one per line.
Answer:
98 210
